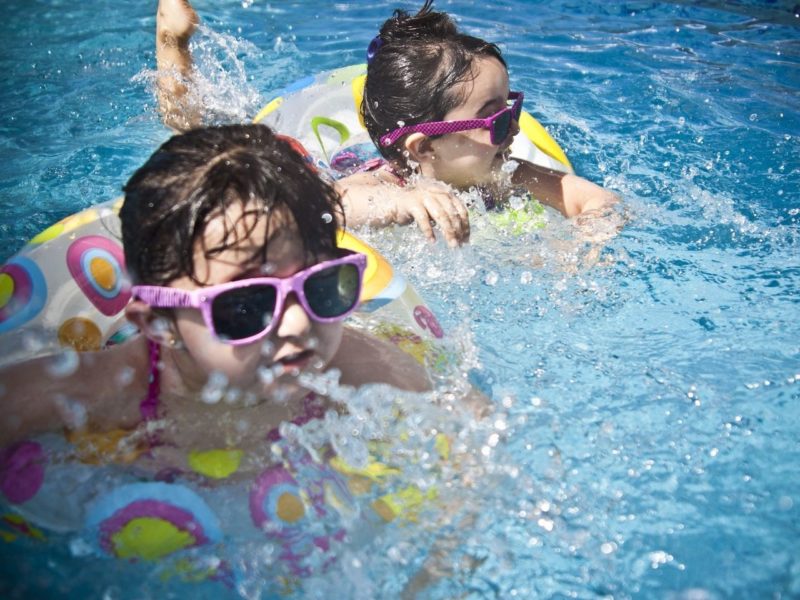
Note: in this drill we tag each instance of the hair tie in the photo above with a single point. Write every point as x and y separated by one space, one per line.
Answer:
373 48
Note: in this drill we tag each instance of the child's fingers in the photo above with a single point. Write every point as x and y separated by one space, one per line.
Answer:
457 217
440 211
423 221
461 216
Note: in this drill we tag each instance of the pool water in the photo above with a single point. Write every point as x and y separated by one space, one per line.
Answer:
644 441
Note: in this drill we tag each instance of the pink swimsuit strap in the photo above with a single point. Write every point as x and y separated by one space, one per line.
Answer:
313 406
149 406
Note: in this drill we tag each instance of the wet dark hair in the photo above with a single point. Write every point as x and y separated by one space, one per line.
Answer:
413 74
196 176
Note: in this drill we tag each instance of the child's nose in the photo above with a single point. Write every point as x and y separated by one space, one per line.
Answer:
294 320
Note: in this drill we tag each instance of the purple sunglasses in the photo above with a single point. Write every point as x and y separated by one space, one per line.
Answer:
244 311
499 124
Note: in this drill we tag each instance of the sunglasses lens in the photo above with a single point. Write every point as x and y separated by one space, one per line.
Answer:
517 110
501 127
333 292
244 312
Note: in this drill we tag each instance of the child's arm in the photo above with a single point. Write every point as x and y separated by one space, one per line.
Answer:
362 359
176 21
569 194
371 199
71 390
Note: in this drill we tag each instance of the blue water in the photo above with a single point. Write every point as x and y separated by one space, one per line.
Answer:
647 399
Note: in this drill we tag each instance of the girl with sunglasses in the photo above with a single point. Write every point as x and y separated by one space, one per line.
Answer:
437 104
238 288
438 107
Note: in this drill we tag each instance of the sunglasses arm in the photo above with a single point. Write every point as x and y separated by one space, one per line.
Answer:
164 297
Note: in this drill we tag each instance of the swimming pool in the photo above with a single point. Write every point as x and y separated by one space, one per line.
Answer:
645 442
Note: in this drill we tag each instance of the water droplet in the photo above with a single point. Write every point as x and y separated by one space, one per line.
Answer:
214 389
72 411
64 363
546 524
516 202
608 547
125 376
509 166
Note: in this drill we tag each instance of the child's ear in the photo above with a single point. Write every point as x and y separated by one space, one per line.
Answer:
152 325
419 147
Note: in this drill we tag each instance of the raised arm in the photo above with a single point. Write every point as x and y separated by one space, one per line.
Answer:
176 21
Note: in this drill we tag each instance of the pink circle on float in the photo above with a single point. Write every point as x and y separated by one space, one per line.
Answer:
21 471
109 297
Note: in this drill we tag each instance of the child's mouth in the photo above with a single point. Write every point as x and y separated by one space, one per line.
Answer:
295 362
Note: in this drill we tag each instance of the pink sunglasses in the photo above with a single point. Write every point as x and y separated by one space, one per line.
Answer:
244 311
499 124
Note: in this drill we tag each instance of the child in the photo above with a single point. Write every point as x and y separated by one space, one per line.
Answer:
437 104
238 285
421 71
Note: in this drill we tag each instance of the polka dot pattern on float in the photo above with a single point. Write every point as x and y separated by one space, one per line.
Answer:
98 267
23 292
276 499
81 334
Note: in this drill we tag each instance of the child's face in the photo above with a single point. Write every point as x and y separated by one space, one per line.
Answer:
296 343
468 158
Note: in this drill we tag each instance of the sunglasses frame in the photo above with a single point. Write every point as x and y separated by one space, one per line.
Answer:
202 299
433 128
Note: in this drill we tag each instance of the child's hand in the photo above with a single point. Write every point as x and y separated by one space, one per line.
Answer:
375 199
433 203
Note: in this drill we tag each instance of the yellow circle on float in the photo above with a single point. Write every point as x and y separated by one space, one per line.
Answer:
6 289
80 334
216 464
150 538
103 273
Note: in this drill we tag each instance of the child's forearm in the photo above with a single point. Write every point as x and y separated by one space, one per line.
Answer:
581 196
569 194
367 202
